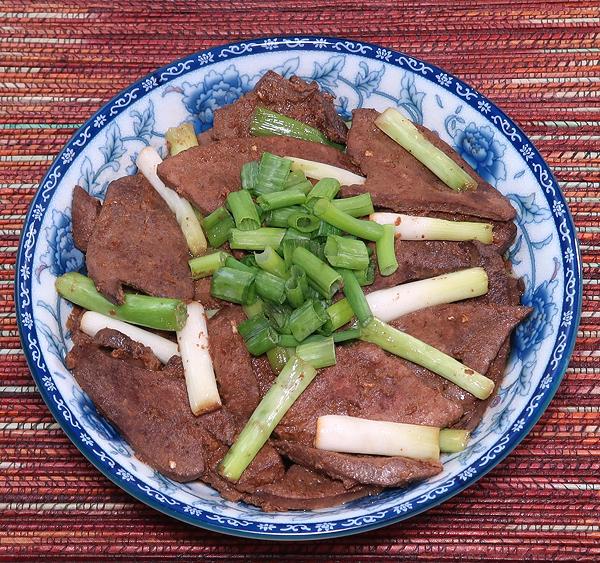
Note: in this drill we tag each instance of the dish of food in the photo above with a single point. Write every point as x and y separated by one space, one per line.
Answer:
351 317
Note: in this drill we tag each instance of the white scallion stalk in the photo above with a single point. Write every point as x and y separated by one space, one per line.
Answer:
408 227
391 303
320 170
348 434
147 162
91 323
197 363
453 440
402 130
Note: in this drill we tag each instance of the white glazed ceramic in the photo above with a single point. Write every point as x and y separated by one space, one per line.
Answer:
360 75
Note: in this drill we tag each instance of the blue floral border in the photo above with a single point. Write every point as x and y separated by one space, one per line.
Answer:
542 395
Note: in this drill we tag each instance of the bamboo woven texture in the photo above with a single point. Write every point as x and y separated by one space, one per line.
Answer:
538 60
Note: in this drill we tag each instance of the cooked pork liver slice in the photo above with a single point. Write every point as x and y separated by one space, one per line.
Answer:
137 242
304 489
150 407
84 212
383 471
368 383
206 174
238 386
476 334
294 98
398 181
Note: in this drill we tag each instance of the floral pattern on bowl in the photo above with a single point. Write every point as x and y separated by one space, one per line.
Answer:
544 254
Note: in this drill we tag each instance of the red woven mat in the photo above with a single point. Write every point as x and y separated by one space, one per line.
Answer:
539 60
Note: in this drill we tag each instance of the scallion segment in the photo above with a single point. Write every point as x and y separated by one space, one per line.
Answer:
271 262
307 319
270 287
296 286
207 265
354 435
409 227
249 175
255 308
200 381
266 122
296 180
278 357
339 313
326 211
160 313
393 302
231 262
272 173
453 440
403 131
181 138
355 296
357 206
326 188
278 315
255 240
386 252
323 277
217 226
288 341
258 334
320 170
346 335
243 210
278 200
147 161
367 275
293 379
279 217
416 351
303 222
233 285
343 252
325 229
319 353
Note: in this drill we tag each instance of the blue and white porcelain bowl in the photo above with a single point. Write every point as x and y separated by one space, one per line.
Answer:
545 255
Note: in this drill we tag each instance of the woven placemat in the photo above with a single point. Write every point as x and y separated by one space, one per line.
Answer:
538 60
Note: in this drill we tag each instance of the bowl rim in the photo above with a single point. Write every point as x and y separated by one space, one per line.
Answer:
300 43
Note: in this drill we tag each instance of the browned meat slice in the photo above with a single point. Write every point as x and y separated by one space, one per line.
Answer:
304 489
232 362
151 409
265 376
206 174
373 470
294 98
471 333
369 383
424 259
474 409
123 347
84 212
474 333
398 181
137 242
